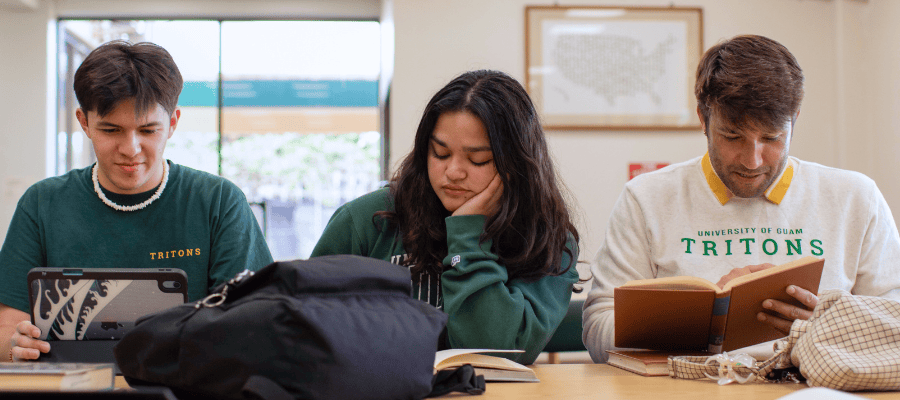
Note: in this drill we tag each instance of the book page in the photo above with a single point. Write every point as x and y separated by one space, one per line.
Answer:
54 376
481 361
820 393
769 271
674 283
456 357
501 375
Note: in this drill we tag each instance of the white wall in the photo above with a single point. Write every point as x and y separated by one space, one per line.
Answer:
23 103
847 48
870 130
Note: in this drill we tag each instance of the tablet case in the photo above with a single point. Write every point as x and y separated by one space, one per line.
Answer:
83 312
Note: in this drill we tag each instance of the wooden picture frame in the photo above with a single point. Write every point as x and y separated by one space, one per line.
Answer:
613 68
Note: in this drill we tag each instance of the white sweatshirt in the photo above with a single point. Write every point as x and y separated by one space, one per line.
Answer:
681 220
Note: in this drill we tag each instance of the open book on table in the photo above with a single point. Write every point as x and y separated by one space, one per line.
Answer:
494 369
690 313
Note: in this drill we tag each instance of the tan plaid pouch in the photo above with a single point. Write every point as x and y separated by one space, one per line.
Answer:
724 368
850 343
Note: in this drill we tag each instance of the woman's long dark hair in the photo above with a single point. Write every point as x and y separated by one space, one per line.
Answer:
531 228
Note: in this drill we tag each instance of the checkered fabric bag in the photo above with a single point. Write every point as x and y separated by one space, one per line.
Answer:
850 343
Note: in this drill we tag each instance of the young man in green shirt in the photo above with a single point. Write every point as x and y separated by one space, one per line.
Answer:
133 208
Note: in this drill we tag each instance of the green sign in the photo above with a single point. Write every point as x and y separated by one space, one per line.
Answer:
281 94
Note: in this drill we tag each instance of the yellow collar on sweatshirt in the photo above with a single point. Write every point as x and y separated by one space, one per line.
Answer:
775 193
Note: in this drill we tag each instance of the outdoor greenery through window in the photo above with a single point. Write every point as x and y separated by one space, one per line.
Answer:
287 110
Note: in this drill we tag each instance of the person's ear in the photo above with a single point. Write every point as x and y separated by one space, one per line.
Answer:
793 121
82 120
173 121
702 121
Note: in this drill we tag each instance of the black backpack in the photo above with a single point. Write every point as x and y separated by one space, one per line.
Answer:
333 327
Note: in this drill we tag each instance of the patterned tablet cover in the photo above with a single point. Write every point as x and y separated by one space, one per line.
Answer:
96 309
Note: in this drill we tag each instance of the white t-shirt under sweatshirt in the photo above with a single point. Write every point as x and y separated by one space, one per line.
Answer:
682 220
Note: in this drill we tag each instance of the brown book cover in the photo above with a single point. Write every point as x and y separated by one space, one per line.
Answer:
647 362
689 313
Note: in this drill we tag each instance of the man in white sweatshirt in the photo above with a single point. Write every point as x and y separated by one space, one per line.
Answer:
746 204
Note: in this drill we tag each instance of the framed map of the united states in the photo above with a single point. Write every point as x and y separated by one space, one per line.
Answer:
615 68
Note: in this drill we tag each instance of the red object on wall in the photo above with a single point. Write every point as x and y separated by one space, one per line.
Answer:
635 169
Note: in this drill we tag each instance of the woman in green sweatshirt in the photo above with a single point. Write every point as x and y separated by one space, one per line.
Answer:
476 212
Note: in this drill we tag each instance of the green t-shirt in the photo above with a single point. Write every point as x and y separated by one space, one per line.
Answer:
486 309
201 224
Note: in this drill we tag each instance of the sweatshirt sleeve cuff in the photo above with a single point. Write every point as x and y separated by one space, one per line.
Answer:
464 232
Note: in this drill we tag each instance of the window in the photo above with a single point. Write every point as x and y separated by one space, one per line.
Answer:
287 110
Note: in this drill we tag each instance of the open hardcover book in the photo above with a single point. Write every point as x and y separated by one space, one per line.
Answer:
689 313
494 369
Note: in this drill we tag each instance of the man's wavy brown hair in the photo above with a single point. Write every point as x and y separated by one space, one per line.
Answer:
533 225
120 70
749 79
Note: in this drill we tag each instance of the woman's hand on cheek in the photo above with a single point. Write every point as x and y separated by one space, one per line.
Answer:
485 203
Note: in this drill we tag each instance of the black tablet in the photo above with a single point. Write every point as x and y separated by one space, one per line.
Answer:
102 303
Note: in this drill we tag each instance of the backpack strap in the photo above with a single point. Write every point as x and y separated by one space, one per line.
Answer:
262 388
462 379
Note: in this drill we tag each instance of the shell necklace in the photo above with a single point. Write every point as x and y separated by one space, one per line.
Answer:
135 207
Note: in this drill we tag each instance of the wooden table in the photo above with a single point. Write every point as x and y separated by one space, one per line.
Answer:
600 381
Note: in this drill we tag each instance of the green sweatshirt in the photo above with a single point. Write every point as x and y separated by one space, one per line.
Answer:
201 224
486 309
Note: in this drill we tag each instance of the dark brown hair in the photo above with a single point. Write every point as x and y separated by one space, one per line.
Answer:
750 79
120 70
532 227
